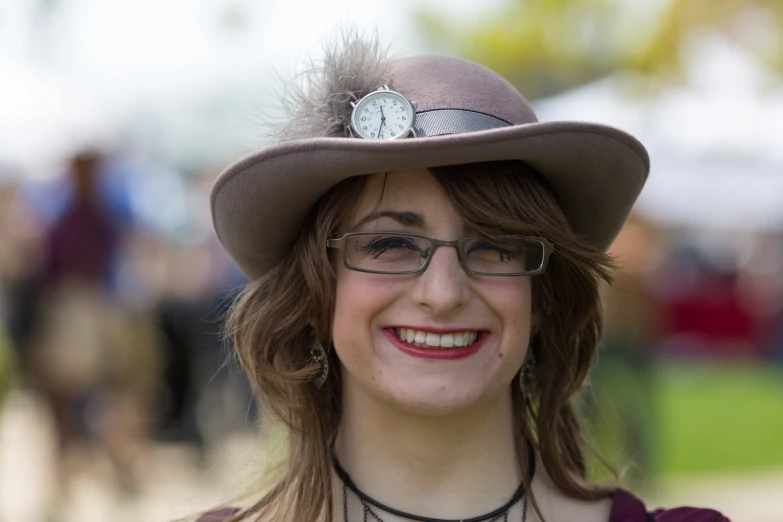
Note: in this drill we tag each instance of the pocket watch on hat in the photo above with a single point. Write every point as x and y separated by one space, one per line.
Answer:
383 115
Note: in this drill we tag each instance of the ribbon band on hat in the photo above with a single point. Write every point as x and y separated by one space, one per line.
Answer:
437 122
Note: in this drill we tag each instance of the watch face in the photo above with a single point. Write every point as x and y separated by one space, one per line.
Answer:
383 115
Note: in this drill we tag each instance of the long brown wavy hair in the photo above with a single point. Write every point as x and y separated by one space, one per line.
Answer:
279 317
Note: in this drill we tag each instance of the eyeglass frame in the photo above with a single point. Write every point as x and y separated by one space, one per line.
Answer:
339 244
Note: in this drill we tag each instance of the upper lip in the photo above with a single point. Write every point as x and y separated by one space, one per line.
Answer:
439 331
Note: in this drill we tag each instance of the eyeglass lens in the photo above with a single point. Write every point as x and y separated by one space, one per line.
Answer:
392 253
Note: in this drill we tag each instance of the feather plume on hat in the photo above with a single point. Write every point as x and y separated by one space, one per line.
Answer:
316 102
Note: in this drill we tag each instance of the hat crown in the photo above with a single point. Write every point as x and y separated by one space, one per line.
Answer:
441 82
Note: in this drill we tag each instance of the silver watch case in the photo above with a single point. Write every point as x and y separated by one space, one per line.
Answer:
384 89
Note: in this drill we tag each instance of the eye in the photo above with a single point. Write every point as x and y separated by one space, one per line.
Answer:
482 247
385 244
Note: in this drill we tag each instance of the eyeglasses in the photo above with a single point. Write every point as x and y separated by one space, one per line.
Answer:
392 253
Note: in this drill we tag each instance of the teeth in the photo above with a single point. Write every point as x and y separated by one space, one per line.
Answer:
449 340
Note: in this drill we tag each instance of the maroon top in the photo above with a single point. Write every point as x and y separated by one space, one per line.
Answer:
628 508
625 508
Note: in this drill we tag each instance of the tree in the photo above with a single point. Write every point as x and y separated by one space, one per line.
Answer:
547 46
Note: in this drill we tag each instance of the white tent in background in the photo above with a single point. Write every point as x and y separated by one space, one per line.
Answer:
716 144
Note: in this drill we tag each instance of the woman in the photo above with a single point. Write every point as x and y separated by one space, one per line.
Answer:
425 260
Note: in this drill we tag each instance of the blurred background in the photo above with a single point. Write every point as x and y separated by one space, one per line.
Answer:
116 116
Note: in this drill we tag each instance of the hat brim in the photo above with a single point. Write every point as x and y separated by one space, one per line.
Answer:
595 172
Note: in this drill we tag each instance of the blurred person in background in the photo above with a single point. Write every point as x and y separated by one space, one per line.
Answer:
760 288
84 357
703 314
21 253
17 248
772 306
204 400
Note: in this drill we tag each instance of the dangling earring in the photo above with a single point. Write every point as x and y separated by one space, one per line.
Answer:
526 374
318 356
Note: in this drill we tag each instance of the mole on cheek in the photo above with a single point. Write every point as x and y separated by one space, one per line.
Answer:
500 356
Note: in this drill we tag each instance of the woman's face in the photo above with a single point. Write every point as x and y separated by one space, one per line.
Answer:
494 313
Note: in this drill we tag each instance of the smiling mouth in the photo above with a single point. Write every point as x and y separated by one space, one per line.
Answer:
422 339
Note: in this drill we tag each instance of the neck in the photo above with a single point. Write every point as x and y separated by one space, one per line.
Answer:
442 466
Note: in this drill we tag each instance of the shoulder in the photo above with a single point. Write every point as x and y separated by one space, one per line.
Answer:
217 515
556 505
567 508
628 508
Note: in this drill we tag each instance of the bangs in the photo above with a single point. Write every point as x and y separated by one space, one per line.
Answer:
503 197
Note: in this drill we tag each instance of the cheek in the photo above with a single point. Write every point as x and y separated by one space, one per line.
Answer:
511 301
345 307
358 298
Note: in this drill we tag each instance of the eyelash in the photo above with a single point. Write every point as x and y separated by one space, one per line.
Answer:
483 246
388 242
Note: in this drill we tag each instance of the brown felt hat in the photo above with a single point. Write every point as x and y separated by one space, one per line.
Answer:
465 114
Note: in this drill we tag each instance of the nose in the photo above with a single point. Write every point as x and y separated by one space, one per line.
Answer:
443 287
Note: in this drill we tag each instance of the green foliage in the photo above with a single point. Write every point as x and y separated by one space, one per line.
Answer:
7 366
544 45
756 25
547 46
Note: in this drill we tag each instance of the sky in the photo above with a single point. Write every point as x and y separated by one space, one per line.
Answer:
143 43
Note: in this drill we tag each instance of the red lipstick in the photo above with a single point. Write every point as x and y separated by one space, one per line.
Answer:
460 352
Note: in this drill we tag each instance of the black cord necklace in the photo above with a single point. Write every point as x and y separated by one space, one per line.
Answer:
369 511
366 500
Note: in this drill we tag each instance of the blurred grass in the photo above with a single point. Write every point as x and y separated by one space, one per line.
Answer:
684 418
720 417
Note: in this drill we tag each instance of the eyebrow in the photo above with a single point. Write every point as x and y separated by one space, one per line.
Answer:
411 219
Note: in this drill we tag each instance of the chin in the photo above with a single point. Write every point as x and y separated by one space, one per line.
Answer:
430 395
422 386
